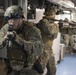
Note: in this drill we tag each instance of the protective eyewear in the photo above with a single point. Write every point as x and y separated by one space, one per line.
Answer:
12 17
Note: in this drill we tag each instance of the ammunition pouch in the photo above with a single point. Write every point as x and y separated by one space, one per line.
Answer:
17 56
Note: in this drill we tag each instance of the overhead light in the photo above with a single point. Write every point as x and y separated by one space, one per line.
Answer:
64 3
67 4
75 7
68 12
29 7
40 9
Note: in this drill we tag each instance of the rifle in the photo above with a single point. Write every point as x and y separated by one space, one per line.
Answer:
10 38
72 23
8 41
60 22
52 20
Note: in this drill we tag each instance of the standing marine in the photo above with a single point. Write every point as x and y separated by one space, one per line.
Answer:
49 31
23 40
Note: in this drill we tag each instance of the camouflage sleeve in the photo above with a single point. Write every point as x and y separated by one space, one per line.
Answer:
50 29
3 32
71 30
56 30
44 26
64 30
34 42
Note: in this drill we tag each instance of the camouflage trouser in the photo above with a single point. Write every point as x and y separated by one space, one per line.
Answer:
48 61
18 69
68 40
24 72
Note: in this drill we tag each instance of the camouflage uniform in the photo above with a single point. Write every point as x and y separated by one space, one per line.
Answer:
26 46
49 32
64 32
71 32
29 38
67 33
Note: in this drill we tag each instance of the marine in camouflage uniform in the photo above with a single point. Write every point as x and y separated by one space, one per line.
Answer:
26 43
64 32
67 33
71 31
49 31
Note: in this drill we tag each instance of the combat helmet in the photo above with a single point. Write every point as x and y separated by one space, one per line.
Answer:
13 12
66 20
50 11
